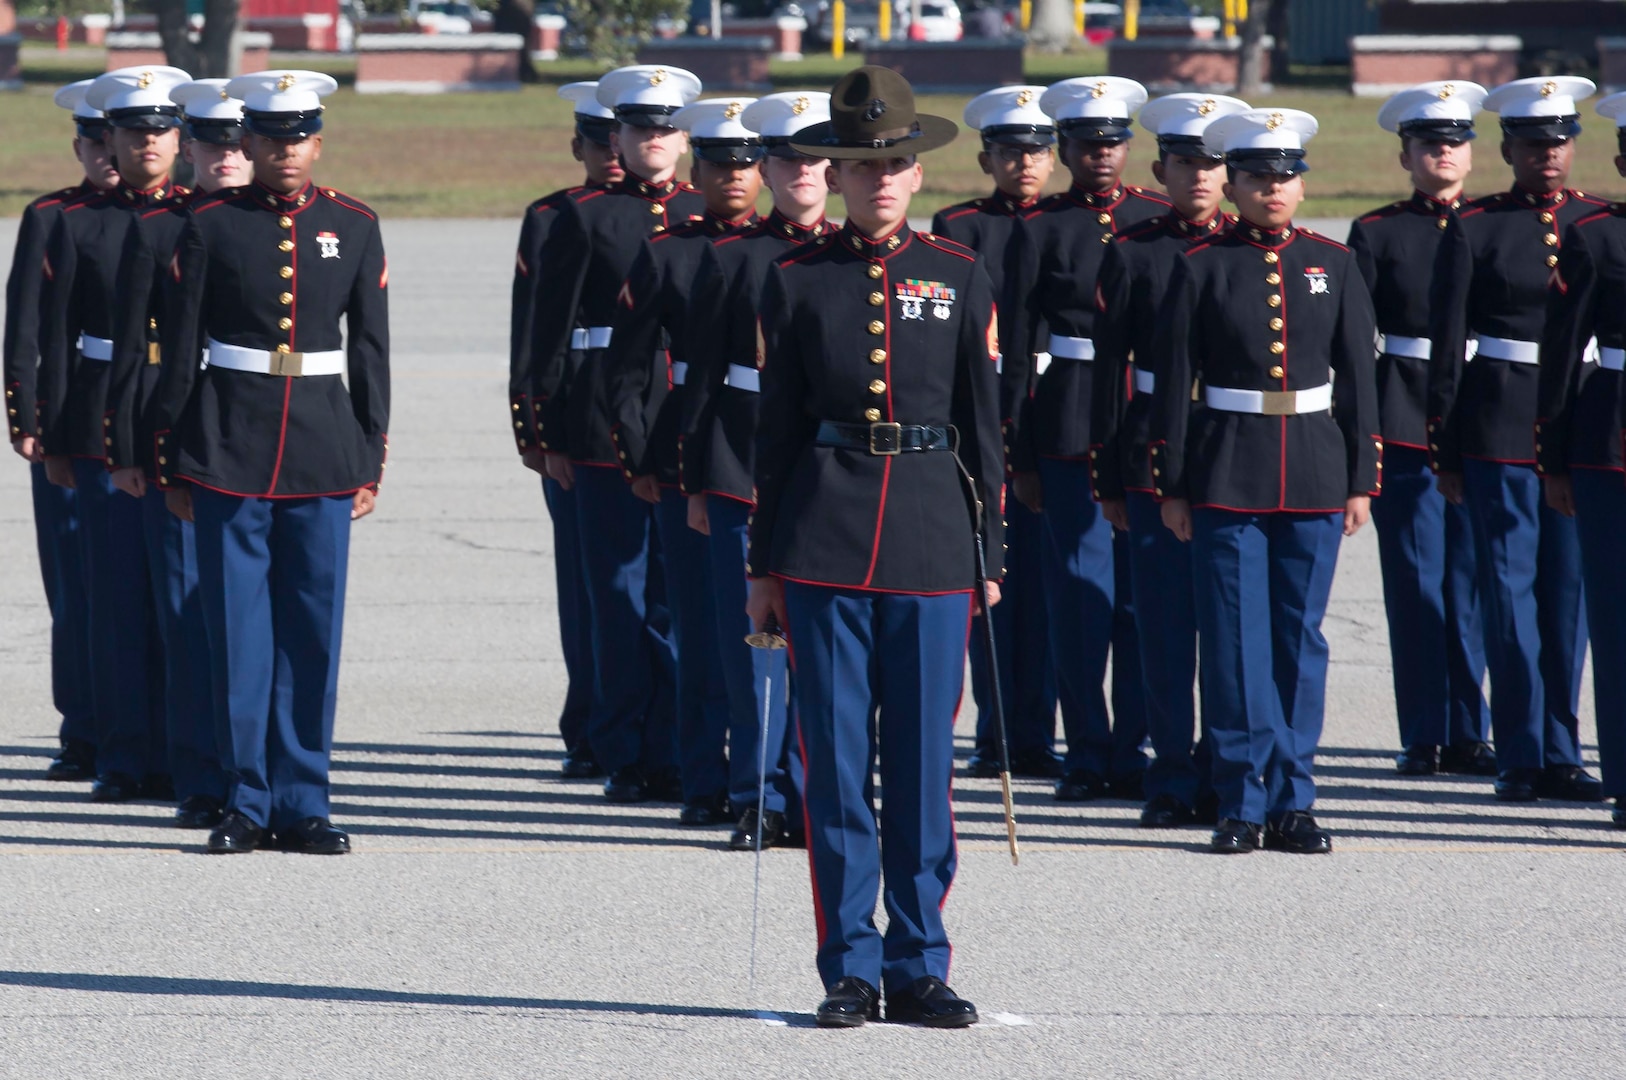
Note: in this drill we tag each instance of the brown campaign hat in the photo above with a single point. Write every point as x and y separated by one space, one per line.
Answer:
872 115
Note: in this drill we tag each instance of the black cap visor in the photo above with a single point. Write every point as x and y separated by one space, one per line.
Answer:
146 117
1542 128
779 146
1096 129
88 128
291 126
1019 135
1191 146
216 132
1268 162
728 151
646 116
1438 131
596 129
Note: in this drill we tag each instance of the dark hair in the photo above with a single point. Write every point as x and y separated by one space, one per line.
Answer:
1230 173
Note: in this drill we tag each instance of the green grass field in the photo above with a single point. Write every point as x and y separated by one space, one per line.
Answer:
487 155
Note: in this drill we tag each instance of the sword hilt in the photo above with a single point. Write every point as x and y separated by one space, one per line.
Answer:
769 637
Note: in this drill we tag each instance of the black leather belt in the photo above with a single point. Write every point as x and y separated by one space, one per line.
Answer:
884 440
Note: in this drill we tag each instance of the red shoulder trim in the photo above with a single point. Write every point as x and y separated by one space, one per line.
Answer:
341 199
806 251
1149 225
1593 199
731 237
1150 196
590 196
1325 240
1382 212
951 212
951 247
220 200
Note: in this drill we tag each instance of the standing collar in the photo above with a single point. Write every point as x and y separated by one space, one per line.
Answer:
1424 203
276 200
868 248
1268 238
126 195
716 225
633 184
1098 201
780 225
1184 226
1003 203
1539 202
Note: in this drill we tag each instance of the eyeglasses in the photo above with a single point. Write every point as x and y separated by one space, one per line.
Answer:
1014 154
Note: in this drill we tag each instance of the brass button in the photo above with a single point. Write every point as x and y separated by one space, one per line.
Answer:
1551 239
286 298
1273 278
109 442
876 299
286 245
877 356
163 460
875 270
1277 348
107 421
152 324
1274 300
876 386
286 272
1103 219
877 327
519 424
160 440
516 406
1272 258
655 208
1440 223
283 348
1277 372
285 221
658 229
1546 217
1276 323
1157 472
1106 238
284 323
1552 260
872 415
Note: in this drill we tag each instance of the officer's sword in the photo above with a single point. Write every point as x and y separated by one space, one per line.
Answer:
771 639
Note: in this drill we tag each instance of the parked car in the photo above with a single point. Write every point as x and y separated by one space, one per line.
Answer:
940 20
449 17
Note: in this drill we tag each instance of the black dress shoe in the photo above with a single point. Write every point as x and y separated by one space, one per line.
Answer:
1298 833
1468 758
158 787
1041 764
199 812
115 787
1206 812
1131 787
1166 812
314 836
771 828
1569 783
625 786
1081 785
663 785
235 835
76 762
849 1003
1517 785
1233 837
1418 761
982 766
579 766
929 1003
714 811
1618 815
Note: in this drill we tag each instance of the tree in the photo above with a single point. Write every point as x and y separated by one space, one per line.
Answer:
516 17
1251 81
613 29
217 53
1052 26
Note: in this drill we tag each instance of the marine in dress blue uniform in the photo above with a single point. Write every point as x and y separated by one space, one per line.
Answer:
56 521
1018 138
716 456
582 267
879 354
590 145
1130 288
1050 300
273 448
212 116
1425 543
1578 424
646 372
83 260
1490 285
1267 473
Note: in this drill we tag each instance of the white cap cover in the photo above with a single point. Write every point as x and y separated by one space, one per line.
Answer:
1011 114
1438 108
137 96
1264 140
646 94
1181 121
1094 107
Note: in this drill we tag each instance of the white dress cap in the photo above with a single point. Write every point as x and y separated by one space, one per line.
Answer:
1434 108
1181 121
717 133
1541 108
1613 108
647 94
72 97
1268 141
1094 107
1011 114
776 117
207 99
584 96
137 96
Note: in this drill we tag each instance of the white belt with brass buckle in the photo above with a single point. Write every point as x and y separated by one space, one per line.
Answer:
680 372
266 362
1072 348
741 377
1509 349
1145 381
1270 402
1612 358
95 348
1041 361
1417 348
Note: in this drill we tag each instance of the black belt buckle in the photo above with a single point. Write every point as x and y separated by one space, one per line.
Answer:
886 440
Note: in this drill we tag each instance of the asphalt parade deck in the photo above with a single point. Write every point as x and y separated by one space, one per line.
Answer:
495 921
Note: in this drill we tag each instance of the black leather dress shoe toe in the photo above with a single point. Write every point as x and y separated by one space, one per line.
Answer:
1130 787
1166 812
1081 785
1207 809
982 766
1298 834
75 763
115 788
1468 759
158 787
199 812
1039 764
929 1003
851 1002
713 811
1569 783
625 786
314 836
771 829
1233 837
1517 785
235 835
1418 761
579 766
663 785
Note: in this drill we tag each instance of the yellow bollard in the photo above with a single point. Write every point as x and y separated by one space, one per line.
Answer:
1230 18
1026 15
885 29
1131 19
1241 10
1078 18
838 28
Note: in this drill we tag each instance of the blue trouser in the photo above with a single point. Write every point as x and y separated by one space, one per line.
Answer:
575 625
906 655
188 698
271 576
632 722
1600 520
1535 630
1027 680
747 674
702 699
1436 641
125 656
1166 627
1262 583
1081 590
56 535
